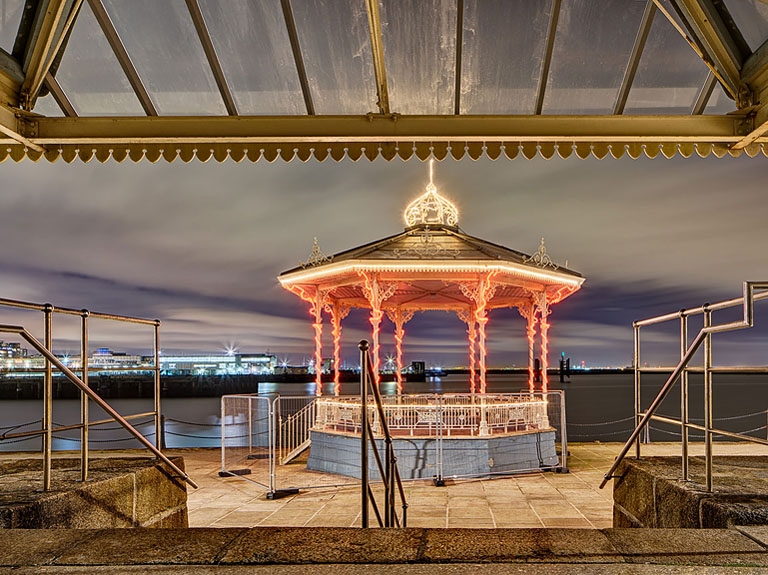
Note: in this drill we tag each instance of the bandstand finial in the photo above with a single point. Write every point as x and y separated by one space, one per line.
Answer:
431 207
316 257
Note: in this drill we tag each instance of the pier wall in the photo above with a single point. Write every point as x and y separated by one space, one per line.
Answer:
122 492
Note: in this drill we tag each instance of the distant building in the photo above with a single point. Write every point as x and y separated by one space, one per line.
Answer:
11 350
229 364
106 360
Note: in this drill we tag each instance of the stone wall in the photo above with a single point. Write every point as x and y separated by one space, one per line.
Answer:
649 492
120 492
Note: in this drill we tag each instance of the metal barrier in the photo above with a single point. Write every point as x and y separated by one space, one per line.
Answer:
246 436
265 439
46 350
681 372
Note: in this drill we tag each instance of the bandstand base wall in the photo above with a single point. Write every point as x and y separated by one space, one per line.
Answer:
339 453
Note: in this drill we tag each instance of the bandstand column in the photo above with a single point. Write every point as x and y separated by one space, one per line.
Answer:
318 325
316 299
338 312
543 308
376 292
481 293
399 317
529 313
468 317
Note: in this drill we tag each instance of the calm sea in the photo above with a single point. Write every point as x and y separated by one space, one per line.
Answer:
599 407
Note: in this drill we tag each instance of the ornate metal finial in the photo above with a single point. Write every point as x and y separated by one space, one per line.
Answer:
316 258
541 257
431 207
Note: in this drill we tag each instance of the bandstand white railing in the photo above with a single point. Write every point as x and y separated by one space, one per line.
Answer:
451 415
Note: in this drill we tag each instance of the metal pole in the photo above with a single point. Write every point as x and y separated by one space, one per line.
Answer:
637 385
708 397
250 425
272 443
364 431
84 398
223 436
47 399
563 433
684 395
158 422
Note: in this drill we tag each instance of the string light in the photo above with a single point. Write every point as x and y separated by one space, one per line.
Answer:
472 333
336 321
531 332
316 311
544 350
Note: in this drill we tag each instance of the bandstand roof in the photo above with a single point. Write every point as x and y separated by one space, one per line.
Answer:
430 265
168 79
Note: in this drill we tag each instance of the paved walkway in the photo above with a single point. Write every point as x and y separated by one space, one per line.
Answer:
548 499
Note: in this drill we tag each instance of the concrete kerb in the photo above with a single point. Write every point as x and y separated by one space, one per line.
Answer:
326 546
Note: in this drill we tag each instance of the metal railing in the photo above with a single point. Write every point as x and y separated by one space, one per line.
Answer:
293 430
45 349
680 372
388 469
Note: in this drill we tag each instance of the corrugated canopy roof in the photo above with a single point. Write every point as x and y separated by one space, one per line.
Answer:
167 79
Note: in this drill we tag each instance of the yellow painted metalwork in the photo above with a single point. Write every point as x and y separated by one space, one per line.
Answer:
42 56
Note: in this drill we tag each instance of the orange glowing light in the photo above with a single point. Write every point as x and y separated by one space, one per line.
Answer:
399 335
336 321
316 311
544 351
531 333
472 334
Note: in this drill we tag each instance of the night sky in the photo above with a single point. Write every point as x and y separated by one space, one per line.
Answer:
199 246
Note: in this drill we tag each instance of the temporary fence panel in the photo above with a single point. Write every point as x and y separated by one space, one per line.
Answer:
246 437
315 442
295 419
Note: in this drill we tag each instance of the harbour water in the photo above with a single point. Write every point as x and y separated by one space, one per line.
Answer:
599 407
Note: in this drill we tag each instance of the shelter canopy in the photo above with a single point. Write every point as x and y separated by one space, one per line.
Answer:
163 79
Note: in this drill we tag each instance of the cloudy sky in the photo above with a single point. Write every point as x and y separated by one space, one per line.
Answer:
199 246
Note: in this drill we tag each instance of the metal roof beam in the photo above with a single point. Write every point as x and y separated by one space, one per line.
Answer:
13 122
60 96
459 51
298 58
755 75
122 56
210 54
377 49
702 99
375 128
714 43
634 58
40 49
547 60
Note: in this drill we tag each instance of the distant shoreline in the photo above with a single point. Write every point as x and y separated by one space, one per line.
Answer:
133 386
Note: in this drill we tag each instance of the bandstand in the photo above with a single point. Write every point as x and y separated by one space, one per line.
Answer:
434 265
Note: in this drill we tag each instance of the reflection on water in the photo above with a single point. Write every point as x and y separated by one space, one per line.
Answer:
598 407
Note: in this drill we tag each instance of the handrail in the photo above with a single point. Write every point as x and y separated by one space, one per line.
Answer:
747 321
70 375
388 471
